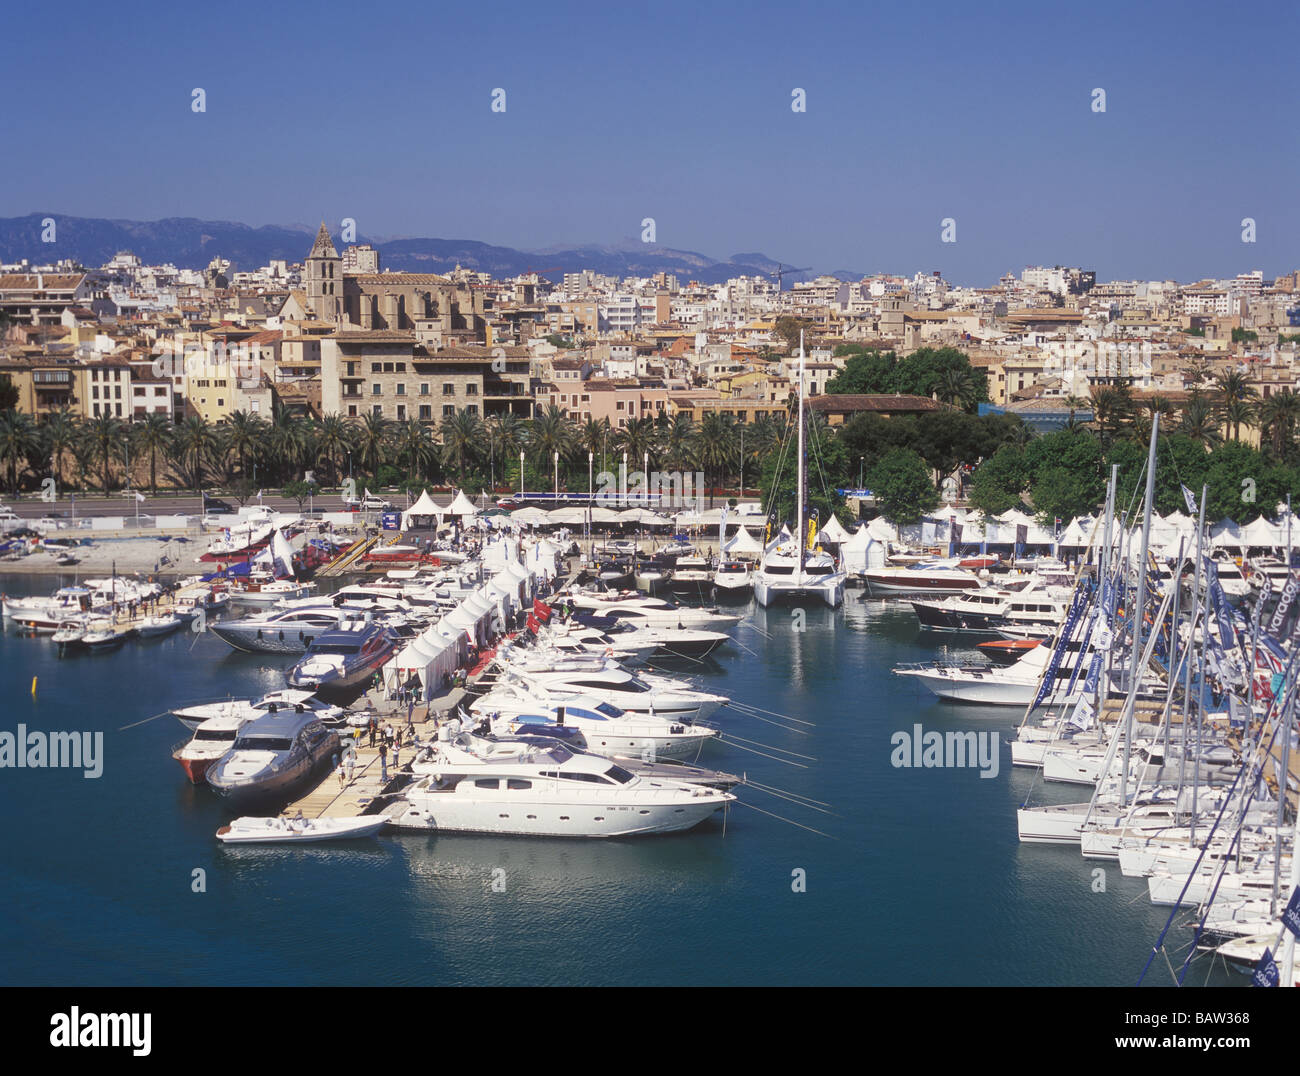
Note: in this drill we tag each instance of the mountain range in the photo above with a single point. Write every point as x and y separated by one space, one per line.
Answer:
189 243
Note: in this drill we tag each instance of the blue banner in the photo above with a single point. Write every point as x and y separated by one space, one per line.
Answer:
1291 914
1077 607
1266 973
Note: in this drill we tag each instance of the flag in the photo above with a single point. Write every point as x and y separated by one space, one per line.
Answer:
140 497
533 625
1289 590
1291 914
541 610
1190 498
1266 973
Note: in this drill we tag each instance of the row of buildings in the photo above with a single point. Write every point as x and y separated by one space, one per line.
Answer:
337 334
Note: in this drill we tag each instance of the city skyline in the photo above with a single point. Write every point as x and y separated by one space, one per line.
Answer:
615 117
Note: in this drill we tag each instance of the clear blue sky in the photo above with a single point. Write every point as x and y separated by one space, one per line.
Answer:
915 113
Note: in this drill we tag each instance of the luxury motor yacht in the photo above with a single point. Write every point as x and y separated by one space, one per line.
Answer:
525 788
643 693
285 631
212 739
272 757
640 610
344 657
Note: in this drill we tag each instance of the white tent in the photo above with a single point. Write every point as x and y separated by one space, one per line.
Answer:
1260 532
461 505
423 508
833 532
608 515
742 544
531 514
566 516
862 551
1226 533
882 530
644 517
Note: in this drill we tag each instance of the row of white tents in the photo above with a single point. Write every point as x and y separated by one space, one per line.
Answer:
511 570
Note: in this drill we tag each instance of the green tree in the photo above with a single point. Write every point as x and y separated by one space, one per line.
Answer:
1000 480
867 372
934 371
59 433
900 483
154 433
788 329
8 394
301 491
1066 477
715 447
1242 483
19 438
108 434
462 436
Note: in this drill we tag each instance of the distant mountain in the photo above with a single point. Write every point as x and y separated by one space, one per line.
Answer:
191 244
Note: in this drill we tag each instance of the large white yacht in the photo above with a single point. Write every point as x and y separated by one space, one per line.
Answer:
790 570
527 788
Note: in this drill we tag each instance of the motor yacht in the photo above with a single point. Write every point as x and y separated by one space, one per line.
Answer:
524 788
345 657
273 702
273 757
283 631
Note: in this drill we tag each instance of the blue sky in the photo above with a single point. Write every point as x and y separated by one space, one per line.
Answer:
915 113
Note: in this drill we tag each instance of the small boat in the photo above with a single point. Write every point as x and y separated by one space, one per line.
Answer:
70 634
212 739
732 580
297 829
101 636
153 626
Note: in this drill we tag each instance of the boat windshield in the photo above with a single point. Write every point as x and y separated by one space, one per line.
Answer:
263 743
214 735
618 774
609 710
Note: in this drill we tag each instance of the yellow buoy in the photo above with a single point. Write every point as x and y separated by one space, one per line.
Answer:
33 687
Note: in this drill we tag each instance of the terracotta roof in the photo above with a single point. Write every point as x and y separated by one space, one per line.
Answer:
876 402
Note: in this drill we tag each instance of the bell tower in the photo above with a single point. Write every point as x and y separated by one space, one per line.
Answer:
324 278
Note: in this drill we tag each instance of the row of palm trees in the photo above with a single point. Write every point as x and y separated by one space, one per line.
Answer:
1209 415
247 449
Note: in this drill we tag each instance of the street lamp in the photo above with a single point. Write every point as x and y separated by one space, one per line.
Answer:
557 474
623 477
645 477
861 459
521 472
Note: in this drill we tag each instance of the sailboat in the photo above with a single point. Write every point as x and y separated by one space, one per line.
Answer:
796 568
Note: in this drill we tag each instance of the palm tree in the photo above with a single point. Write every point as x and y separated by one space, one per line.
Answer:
550 432
677 442
506 435
59 433
287 442
1235 400
246 433
414 444
192 440
1074 403
462 438
153 433
18 439
1278 417
637 439
1200 423
108 435
957 386
716 446
370 442
332 441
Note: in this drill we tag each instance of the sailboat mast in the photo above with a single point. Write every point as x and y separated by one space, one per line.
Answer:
799 524
1139 607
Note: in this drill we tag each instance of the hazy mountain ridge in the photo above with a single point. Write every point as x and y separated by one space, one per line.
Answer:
190 243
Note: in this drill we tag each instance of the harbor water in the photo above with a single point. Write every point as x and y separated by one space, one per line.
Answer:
915 878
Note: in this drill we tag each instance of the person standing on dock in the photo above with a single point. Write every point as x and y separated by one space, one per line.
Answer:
374 727
350 761
383 761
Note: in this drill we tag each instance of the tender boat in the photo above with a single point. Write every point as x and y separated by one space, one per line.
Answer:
273 756
212 739
153 626
284 829
733 579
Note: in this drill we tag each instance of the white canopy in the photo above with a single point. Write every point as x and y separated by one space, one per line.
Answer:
531 514
742 544
423 508
461 505
834 532
1226 533
1260 532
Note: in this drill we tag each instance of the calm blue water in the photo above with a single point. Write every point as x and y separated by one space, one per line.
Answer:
921 880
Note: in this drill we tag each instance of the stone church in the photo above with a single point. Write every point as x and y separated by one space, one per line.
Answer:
438 311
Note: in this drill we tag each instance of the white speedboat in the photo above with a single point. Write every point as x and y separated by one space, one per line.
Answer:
272 702
530 789
212 739
733 579
153 626
930 577
271 593
288 829
640 610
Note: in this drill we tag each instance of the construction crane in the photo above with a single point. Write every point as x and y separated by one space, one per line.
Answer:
781 270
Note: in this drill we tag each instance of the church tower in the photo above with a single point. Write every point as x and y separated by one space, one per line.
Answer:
324 278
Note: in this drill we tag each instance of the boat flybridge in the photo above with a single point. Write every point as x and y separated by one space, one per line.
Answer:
642 693
639 610
538 788
793 569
